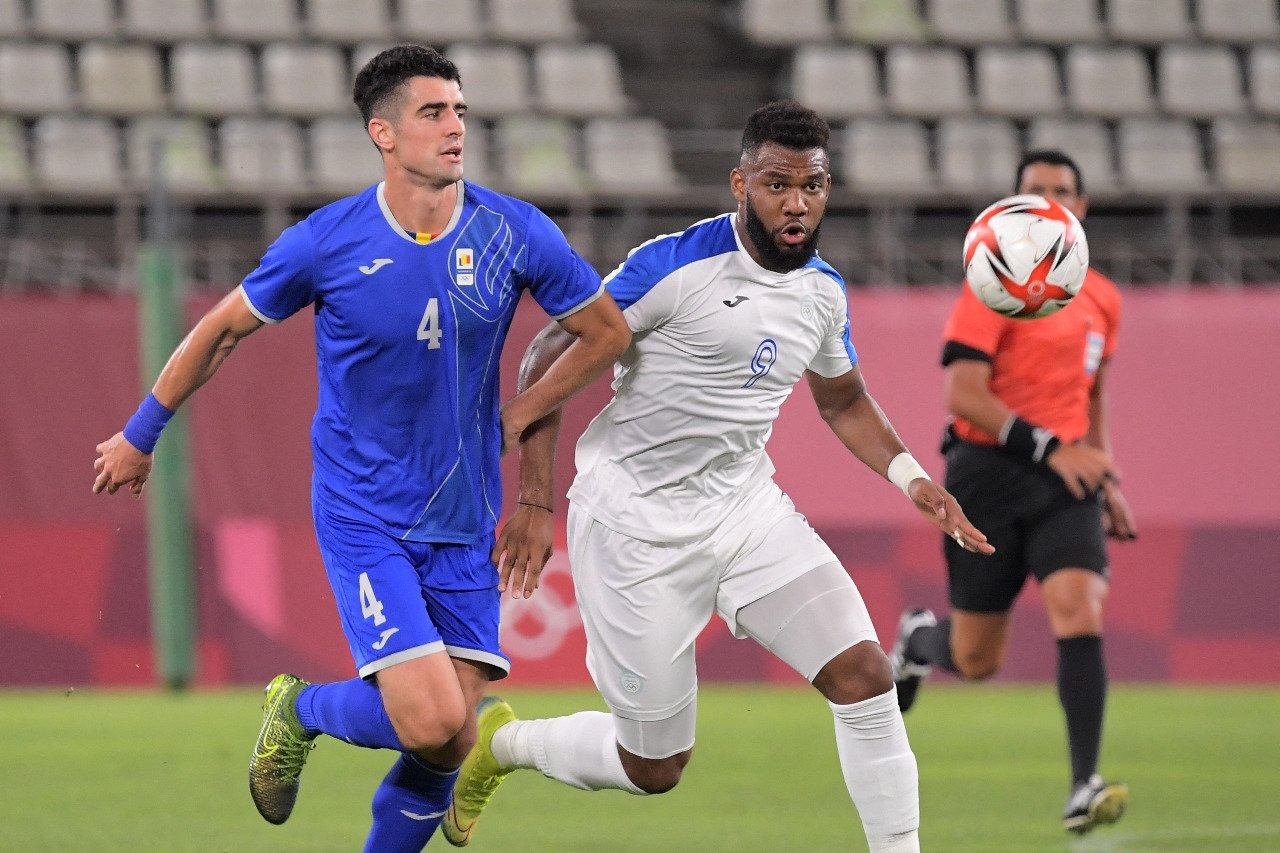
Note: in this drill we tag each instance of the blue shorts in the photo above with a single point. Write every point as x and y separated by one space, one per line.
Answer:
401 600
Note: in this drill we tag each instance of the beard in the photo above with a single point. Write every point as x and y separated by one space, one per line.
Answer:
779 258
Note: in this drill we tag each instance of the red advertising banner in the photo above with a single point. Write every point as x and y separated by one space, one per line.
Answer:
1193 410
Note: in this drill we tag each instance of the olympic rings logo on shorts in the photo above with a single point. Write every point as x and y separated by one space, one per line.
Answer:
535 628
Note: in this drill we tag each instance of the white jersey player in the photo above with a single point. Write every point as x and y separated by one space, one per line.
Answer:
675 515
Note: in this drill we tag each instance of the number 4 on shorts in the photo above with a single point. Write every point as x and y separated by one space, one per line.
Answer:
370 606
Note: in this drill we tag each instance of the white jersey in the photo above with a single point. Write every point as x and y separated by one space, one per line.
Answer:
719 343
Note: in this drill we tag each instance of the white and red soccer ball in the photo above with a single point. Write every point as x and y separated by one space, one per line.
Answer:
1025 256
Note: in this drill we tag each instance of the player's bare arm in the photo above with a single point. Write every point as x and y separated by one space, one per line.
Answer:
861 425
1117 518
1082 466
600 335
524 544
192 364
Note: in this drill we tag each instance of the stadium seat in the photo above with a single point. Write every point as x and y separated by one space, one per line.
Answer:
256 21
579 80
1160 156
477 162
880 23
971 22
212 79
348 21
631 156
1198 81
15 167
1246 153
1084 140
13 23
1148 21
977 156
838 81
1018 81
262 155
188 159
73 20
440 22
344 159
785 22
1238 20
35 77
1108 82
886 157
533 21
77 154
362 53
1264 79
927 81
1059 22
304 80
540 156
164 21
121 79
495 78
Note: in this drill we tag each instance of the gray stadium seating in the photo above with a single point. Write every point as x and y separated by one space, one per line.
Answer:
977 156
495 78
440 22
35 78
304 80
1108 82
78 155
185 147
540 156
256 20
348 21
121 79
164 20
886 157
927 82
1018 81
578 80
1246 153
880 23
631 156
1160 156
969 23
212 79
786 22
262 155
1148 21
1238 20
1059 22
533 21
839 81
1199 81
73 20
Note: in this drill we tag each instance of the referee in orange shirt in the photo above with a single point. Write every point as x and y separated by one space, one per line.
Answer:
1029 458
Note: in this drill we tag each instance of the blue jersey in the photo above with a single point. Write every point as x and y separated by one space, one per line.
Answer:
406 435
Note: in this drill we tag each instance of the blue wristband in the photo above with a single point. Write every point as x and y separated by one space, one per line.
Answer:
144 428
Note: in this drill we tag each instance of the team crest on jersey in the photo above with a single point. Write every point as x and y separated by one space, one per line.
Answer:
464 259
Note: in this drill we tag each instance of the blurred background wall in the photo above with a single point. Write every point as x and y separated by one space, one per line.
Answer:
621 119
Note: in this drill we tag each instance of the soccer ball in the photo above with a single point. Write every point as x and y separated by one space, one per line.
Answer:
1025 256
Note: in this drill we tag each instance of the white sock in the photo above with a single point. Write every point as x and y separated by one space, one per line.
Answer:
580 750
880 772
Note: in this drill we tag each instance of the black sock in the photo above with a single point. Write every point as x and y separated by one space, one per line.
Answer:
1082 690
932 645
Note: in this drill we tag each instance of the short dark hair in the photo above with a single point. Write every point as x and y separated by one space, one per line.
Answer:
381 78
785 123
1050 157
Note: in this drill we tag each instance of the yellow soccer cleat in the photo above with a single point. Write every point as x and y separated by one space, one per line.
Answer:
1094 803
280 752
479 776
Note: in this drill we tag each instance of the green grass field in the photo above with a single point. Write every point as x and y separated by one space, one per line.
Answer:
99 771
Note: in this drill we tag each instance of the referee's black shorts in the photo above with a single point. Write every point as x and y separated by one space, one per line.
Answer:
1035 524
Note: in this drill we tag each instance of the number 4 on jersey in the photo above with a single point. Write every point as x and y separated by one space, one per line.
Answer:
429 328
370 606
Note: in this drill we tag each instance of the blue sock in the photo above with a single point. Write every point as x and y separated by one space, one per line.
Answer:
350 710
409 805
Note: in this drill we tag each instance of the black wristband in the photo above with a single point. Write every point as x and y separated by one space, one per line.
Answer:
535 506
1028 441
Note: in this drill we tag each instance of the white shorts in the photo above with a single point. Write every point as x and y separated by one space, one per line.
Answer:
644 605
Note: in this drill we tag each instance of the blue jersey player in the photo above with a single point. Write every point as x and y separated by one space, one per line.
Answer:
413 284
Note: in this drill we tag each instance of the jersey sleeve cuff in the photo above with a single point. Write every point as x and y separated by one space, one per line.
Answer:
574 310
254 308
956 351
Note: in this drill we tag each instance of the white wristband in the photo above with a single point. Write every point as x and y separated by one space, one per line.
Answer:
903 469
